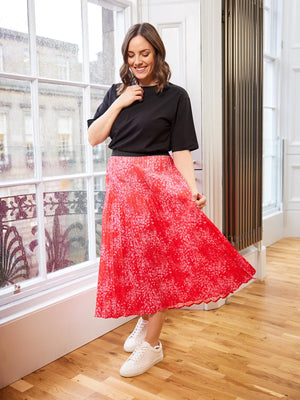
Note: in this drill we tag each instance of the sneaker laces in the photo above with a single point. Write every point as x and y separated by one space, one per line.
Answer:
138 328
138 353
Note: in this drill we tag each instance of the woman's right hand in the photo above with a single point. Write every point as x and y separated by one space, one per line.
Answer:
130 95
100 129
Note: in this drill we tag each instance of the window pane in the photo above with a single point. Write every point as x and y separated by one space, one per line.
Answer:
59 39
101 44
61 129
18 255
16 130
269 126
101 152
270 182
14 49
65 205
99 185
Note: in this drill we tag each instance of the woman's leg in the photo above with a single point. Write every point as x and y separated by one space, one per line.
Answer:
155 325
149 352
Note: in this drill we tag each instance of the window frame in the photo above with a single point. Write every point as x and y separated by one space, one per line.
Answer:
36 292
274 59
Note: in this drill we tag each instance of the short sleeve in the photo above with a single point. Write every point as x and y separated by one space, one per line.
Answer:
183 135
109 98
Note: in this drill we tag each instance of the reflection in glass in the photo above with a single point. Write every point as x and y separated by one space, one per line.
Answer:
18 257
14 48
101 44
16 130
61 129
59 39
65 205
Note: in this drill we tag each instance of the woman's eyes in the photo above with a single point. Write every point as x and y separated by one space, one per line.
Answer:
144 55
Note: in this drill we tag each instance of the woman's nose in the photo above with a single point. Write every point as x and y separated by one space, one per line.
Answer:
137 60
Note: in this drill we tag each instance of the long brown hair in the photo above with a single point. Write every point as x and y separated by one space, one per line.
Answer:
161 71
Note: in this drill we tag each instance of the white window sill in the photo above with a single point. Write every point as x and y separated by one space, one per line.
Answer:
24 303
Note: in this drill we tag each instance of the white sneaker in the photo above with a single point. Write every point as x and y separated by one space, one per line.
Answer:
137 336
143 358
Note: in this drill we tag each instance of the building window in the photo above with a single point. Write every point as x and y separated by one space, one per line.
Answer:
5 159
65 140
1 58
63 68
51 199
3 134
272 143
29 141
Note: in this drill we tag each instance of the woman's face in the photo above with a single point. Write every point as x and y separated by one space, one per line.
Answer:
141 59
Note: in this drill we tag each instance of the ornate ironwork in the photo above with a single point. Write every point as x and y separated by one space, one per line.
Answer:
58 243
14 262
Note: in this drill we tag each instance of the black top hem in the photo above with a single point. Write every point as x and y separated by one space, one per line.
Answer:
120 153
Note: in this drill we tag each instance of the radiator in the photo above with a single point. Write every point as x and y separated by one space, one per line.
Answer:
242 112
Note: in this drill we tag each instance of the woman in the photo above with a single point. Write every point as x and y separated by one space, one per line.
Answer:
158 249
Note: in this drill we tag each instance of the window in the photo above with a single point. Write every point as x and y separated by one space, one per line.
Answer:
52 189
4 156
1 58
64 139
29 141
63 68
272 143
3 135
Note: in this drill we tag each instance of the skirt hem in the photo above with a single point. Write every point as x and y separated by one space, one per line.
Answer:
177 306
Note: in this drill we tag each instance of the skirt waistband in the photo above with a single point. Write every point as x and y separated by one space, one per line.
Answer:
130 154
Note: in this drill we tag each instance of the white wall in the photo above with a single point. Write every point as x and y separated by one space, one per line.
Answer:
290 116
48 332
286 222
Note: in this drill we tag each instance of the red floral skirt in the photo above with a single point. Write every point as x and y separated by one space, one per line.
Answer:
158 250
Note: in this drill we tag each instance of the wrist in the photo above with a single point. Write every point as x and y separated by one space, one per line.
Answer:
118 104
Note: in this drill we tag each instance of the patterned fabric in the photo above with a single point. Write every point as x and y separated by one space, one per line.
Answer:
158 249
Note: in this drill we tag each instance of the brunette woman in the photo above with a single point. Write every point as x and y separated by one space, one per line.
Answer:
159 251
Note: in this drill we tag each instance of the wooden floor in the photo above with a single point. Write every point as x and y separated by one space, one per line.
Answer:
246 350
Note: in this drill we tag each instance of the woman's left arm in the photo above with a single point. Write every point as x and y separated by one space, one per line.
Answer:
184 163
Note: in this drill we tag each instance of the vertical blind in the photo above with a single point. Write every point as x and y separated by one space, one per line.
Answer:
243 110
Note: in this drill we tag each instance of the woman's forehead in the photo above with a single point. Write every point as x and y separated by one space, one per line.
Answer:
139 43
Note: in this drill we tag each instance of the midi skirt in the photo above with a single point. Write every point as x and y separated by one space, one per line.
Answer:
158 249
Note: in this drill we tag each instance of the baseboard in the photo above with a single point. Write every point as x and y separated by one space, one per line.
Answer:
40 337
273 228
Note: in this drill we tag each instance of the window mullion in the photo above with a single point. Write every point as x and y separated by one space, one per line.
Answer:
36 137
88 148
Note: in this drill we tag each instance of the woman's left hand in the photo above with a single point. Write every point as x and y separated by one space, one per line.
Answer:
199 199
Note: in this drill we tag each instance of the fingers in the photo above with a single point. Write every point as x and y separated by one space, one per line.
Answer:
130 95
136 91
200 200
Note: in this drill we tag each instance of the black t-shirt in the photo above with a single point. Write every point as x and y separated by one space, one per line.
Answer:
161 122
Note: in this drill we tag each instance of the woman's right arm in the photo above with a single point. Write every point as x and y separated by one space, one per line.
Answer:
100 129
